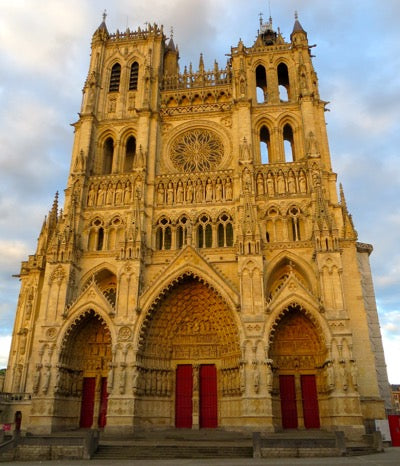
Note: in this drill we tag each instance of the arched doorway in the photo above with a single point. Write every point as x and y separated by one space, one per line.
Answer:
188 365
82 372
298 354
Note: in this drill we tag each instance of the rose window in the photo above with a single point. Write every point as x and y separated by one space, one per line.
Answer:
197 150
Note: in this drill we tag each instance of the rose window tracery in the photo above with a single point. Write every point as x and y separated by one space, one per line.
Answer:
197 150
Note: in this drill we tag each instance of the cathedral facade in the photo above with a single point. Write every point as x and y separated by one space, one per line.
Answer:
204 271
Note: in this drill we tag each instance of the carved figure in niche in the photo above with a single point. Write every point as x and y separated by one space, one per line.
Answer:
269 378
330 376
46 383
245 154
127 193
22 341
36 379
281 184
260 184
270 184
199 191
135 380
209 191
218 190
80 162
179 193
29 304
170 193
312 145
122 379
101 194
110 194
91 196
242 377
189 191
354 374
118 194
139 160
291 183
228 190
256 379
160 194
343 375
302 183
247 184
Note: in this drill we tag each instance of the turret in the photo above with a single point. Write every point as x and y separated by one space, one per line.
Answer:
298 35
171 58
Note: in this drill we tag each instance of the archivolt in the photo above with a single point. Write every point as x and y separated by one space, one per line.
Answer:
310 315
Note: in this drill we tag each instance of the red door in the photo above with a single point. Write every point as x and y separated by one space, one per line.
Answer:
288 401
208 396
87 407
394 426
183 396
103 403
310 402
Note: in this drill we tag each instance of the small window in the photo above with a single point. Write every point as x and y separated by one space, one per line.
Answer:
129 154
283 83
133 78
115 78
108 156
288 141
264 145
100 239
261 84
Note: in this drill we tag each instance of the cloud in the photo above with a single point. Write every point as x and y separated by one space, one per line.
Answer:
5 344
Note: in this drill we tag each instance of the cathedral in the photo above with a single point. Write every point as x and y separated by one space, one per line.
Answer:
204 271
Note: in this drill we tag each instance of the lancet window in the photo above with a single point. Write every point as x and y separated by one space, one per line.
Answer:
115 78
261 84
283 83
288 142
130 151
265 145
133 77
225 231
204 232
163 234
181 232
108 156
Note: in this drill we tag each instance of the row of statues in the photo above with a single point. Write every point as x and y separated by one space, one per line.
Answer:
112 193
194 191
281 183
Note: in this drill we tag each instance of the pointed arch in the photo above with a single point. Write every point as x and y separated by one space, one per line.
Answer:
311 314
282 260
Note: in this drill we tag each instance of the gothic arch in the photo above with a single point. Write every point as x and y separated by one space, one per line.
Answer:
305 269
306 310
96 270
150 299
74 321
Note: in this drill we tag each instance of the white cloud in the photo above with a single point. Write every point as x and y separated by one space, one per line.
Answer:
5 344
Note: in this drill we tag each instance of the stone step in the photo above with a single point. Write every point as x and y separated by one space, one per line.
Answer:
172 451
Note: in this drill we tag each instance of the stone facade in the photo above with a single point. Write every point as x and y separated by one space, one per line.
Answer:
202 233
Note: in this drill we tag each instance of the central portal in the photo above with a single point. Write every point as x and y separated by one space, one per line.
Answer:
191 343
204 389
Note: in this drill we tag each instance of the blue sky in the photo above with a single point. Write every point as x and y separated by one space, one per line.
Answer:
44 56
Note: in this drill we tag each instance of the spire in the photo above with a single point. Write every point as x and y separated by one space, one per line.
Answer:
102 32
297 28
201 63
171 45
